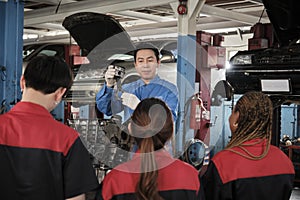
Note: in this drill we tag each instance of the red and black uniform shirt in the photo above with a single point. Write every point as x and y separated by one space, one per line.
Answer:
41 158
232 176
176 180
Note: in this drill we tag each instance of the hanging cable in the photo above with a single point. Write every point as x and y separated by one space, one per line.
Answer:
3 107
261 15
3 73
58 5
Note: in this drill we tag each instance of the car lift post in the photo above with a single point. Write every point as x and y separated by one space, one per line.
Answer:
11 46
186 65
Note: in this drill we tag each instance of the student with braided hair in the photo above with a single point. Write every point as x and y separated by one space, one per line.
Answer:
250 167
152 174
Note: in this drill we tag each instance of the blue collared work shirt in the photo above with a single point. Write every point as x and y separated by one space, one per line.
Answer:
157 88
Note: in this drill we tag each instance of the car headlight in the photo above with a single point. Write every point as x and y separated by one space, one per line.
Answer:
242 60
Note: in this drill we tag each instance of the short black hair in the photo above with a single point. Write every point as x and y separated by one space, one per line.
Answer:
146 46
48 73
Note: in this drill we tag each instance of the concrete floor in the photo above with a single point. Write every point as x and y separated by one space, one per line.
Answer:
295 194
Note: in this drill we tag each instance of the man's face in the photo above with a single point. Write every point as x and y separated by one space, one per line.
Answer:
146 64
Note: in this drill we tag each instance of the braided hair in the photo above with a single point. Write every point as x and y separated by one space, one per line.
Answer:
152 126
255 122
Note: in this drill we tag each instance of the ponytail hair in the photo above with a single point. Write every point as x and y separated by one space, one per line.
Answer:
152 127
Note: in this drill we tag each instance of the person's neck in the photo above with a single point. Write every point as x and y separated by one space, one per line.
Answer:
147 81
37 97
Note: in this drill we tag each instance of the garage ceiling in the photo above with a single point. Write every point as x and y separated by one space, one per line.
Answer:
141 18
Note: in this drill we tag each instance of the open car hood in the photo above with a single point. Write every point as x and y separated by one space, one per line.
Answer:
99 36
284 16
103 41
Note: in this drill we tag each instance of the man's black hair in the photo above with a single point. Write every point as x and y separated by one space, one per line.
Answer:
48 73
146 46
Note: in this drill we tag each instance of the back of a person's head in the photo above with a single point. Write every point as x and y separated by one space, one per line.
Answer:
152 125
47 73
254 122
152 118
143 46
255 112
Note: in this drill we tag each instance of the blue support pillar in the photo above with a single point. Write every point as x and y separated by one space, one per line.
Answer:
11 45
186 72
186 69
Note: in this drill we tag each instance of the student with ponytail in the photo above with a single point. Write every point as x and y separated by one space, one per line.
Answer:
152 174
250 167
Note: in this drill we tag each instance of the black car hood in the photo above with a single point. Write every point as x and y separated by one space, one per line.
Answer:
99 36
284 16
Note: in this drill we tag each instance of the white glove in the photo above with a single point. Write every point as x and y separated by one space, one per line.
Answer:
109 76
130 100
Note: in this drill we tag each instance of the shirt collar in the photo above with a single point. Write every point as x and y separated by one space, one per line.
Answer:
30 107
155 79
162 157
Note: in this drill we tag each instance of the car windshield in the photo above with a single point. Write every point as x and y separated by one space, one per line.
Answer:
29 49
124 57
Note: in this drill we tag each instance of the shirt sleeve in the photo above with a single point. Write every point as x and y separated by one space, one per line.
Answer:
104 100
200 192
79 174
172 101
99 193
213 187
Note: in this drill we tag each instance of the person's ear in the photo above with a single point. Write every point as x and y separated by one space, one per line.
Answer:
22 83
236 119
59 93
129 128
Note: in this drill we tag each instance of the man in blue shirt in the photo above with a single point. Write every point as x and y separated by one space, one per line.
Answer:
146 61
